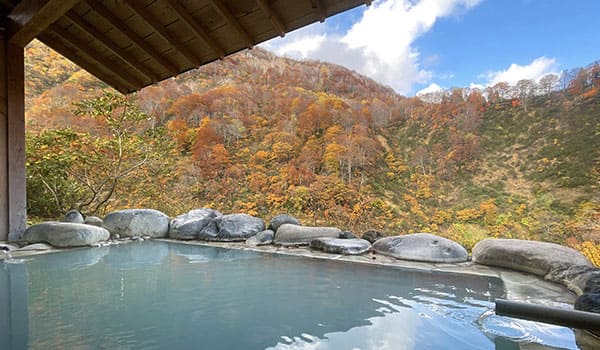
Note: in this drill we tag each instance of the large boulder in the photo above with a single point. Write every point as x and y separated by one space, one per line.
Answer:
232 227
190 225
421 247
137 222
281 219
73 216
538 258
93 220
290 234
65 234
262 238
346 246
372 235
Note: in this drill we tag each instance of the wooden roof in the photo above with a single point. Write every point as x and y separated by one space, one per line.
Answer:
130 44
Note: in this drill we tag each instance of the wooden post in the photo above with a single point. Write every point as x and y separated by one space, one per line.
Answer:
12 141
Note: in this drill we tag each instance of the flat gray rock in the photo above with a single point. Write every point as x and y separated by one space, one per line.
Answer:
538 258
93 220
7 247
190 225
73 216
346 246
262 238
281 219
421 247
65 234
36 247
290 234
137 222
232 228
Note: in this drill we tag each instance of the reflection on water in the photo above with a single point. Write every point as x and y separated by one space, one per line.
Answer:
153 295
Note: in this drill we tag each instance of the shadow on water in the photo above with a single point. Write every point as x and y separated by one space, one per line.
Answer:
153 295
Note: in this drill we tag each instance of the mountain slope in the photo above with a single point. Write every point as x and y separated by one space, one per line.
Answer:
264 134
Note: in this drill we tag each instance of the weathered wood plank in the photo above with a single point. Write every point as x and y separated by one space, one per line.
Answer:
230 18
272 16
17 203
3 139
133 37
111 46
160 30
31 17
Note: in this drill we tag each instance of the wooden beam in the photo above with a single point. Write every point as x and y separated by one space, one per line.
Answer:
368 2
17 193
4 197
108 78
96 57
161 31
13 204
132 36
111 46
31 17
196 28
272 16
319 10
230 18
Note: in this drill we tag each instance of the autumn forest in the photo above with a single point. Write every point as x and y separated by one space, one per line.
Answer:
263 135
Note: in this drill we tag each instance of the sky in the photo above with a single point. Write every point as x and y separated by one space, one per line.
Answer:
422 45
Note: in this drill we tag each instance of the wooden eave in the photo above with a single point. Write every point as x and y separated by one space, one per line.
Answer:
130 44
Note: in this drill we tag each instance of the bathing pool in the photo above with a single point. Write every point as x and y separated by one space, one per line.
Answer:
157 295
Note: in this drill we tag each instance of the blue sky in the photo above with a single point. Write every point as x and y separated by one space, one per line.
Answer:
411 45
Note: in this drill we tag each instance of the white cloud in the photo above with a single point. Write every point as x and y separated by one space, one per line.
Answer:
533 71
430 89
380 45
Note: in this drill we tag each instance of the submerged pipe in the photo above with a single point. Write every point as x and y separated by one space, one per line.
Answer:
561 317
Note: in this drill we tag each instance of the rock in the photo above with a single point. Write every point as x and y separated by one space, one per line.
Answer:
73 216
347 235
421 247
346 246
233 227
262 238
577 278
372 235
538 258
93 220
191 224
65 234
589 302
290 234
281 219
36 246
593 283
137 222
7 247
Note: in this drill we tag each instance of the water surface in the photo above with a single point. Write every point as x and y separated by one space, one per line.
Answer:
155 295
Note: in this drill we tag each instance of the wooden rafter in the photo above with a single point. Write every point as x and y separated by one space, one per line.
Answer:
31 17
272 16
95 56
132 36
111 46
196 28
319 10
230 18
162 31
109 78
368 2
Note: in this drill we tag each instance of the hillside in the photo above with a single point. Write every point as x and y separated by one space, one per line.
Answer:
262 134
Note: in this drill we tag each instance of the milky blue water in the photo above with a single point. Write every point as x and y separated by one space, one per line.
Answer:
154 295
